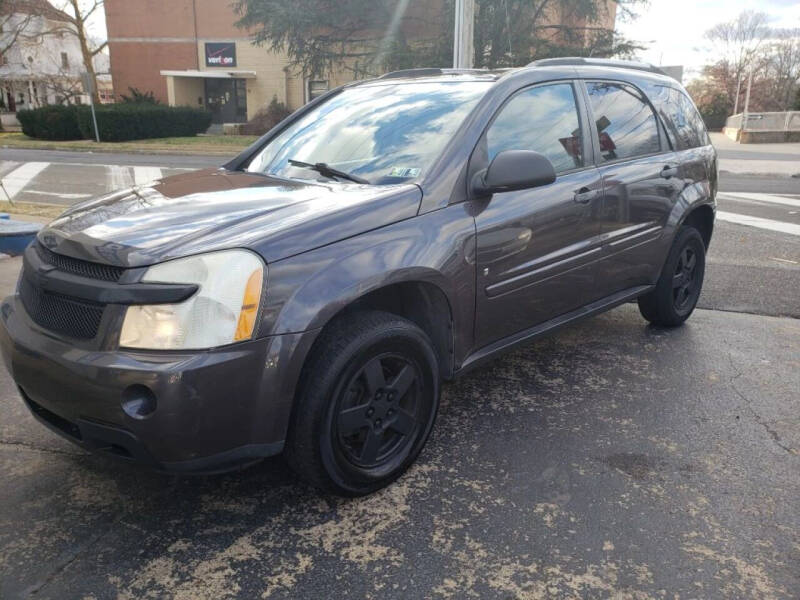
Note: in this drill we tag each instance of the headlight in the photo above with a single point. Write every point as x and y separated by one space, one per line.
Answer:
223 310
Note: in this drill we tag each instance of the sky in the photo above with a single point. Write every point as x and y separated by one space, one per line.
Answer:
673 29
97 24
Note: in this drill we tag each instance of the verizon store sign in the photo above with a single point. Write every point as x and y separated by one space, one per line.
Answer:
221 54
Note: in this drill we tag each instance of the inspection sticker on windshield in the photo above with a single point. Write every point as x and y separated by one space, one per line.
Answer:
405 172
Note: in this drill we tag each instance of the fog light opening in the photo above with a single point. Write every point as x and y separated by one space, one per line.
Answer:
138 402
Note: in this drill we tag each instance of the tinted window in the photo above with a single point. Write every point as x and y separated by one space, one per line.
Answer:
625 122
684 125
668 108
694 122
543 119
385 133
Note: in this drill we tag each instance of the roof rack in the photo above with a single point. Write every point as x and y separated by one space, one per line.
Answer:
576 61
412 73
430 72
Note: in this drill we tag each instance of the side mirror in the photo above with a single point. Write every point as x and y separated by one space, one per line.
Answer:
514 170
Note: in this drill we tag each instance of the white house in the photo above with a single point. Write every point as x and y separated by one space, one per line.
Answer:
42 67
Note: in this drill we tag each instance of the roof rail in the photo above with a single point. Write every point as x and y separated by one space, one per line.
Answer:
431 72
576 61
412 73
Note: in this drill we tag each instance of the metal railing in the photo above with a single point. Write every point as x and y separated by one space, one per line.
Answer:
765 121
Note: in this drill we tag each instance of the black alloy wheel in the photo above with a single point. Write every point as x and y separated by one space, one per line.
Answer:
367 404
379 411
684 284
677 291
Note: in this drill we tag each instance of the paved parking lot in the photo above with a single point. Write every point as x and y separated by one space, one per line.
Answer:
612 459
71 182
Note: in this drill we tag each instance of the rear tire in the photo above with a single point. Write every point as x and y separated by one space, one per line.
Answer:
366 406
678 289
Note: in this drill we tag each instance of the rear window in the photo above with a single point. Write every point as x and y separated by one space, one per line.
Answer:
626 124
684 124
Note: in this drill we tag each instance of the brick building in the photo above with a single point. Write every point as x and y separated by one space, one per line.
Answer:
188 52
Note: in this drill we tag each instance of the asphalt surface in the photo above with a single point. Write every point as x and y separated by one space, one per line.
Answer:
612 459
730 182
170 161
750 269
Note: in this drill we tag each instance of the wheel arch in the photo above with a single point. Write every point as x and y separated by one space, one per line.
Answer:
418 298
422 302
701 217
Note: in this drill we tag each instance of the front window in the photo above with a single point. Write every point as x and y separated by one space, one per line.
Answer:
382 133
543 119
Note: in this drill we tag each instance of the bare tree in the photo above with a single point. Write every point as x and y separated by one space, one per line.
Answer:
781 69
13 23
80 12
59 81
738 44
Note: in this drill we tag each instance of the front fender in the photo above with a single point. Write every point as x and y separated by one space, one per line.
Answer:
308 290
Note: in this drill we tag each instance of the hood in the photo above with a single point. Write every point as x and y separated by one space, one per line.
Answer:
215 209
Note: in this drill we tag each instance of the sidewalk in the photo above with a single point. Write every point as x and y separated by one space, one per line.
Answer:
779 160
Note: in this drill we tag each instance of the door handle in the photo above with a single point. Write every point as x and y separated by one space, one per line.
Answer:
669 171
585 195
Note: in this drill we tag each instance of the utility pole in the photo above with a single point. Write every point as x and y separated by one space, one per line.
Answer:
747 99
463 40
738 91
90 88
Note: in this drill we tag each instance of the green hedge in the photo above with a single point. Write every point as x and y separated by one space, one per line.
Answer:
51 123
123 122
117 122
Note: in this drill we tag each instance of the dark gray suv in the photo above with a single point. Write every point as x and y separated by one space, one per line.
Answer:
310 296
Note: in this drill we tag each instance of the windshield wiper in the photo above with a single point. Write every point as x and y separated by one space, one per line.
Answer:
327 171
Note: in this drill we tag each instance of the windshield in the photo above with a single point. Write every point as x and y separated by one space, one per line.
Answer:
380 133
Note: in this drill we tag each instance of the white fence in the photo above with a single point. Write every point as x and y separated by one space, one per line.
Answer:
766 121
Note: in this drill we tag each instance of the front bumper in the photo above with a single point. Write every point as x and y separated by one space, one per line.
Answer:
214 411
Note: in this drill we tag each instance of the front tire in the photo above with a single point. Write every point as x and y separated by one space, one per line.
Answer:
367 404
678 289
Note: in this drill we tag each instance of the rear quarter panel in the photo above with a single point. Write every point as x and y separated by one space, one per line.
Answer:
699 173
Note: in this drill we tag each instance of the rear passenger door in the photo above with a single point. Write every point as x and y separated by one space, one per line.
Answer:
641 184
688 137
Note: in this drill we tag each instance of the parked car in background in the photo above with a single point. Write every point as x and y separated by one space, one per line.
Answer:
311 296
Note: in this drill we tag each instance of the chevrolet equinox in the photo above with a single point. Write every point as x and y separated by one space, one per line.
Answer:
310 296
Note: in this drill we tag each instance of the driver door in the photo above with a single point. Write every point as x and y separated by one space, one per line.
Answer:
536 248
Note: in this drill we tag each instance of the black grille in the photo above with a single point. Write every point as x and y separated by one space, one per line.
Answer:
60 423
79 267
69 316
